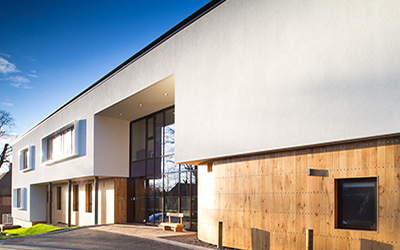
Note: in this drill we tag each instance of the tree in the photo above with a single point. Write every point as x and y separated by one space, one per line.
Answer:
6 121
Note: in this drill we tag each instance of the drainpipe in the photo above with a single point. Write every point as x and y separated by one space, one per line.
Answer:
50 202
96 199
69 203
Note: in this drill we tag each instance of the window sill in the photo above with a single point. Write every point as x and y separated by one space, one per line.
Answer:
51 162
20 208
26 170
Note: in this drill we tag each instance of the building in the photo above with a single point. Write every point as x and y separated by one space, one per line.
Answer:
285 117
5 194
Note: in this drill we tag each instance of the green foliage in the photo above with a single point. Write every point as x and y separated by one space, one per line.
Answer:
36 229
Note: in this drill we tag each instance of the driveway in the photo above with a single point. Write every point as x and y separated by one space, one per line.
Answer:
85 238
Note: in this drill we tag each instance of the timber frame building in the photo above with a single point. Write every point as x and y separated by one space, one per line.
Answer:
276 118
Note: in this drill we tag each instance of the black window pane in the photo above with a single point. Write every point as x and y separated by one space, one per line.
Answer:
358 203
159 134
169 117
138 140
150 127
138 168
158 165
150 167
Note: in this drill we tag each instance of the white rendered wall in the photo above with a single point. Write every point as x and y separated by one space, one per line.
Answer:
262 75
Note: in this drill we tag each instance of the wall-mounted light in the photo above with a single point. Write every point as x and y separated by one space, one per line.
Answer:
166 94
121 114
140 104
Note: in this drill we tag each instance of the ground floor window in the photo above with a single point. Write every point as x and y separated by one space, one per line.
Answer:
58 198
76 198
89 188
356 203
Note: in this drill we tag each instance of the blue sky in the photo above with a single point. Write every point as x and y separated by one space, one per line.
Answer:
52 50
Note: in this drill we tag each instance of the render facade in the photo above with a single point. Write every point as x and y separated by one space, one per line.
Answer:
282 113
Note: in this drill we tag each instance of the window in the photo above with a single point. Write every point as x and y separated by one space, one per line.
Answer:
26 158
19 198
58 198
89 188
356 206
60 145
63 143
76 198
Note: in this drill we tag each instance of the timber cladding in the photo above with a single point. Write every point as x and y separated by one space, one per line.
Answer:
269 201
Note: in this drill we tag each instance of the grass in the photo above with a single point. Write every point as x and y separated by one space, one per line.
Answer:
36 229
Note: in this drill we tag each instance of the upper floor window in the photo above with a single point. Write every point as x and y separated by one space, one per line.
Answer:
60 145
27 158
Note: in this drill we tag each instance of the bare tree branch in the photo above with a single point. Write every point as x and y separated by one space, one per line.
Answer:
6 120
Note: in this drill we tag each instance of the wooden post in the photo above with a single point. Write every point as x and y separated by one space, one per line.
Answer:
69 203
309 239
219 245
50 202
96 199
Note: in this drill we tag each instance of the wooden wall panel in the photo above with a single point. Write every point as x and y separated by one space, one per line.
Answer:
268 201
120 199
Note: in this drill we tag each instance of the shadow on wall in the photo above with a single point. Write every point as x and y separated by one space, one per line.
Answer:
372 244
260 239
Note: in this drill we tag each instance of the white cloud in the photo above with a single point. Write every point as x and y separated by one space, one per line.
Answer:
19 79
7 67
4 54
32 75
33 71
7 104
19 82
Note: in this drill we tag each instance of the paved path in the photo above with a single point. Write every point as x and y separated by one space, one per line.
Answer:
86 238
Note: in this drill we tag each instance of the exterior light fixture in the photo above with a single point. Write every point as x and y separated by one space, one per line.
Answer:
121 114
166 94
141 105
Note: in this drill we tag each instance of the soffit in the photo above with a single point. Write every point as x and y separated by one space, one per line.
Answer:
155 97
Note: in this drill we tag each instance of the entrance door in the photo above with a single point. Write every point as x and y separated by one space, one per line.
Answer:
137 199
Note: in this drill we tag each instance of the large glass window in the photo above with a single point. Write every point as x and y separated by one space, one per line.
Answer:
169 186
356 203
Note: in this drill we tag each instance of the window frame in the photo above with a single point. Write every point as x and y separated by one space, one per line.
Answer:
338 201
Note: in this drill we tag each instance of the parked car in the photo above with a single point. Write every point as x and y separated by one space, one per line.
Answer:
157 218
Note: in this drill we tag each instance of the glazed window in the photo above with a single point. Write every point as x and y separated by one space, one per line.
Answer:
356 206
26 158
58 198
76 198
60 145
19 198
89 188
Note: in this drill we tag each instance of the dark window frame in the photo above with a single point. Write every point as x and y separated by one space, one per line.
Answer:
338 207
